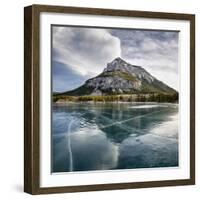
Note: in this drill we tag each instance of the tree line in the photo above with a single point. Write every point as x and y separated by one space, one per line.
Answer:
158 97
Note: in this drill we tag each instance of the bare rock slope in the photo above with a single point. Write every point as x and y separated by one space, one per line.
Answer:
120 77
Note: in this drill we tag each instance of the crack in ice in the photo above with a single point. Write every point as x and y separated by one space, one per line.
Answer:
70 148
126 120
71 161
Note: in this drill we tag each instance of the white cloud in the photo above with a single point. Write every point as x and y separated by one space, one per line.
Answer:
156 51
87 50
163 69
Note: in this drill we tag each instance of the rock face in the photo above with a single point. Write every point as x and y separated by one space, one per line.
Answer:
120 77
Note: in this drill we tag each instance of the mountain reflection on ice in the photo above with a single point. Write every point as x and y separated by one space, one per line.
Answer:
104 136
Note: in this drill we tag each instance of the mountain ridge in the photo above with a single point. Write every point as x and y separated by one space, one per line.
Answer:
121 77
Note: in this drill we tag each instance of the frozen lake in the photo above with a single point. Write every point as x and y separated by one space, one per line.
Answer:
108 136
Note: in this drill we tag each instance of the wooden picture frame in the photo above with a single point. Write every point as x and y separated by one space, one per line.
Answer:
32 143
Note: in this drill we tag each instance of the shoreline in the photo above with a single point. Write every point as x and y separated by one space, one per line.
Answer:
154 97
111 102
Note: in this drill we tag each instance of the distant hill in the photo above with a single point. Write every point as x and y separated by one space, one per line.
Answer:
120 77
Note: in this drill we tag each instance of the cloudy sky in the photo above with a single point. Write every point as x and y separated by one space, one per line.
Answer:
80 53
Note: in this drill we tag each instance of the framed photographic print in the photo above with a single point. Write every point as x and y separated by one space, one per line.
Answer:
109 99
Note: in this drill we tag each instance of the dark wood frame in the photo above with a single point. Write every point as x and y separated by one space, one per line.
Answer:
32 106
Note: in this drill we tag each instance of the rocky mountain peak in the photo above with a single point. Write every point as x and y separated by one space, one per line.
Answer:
121 77
118 64
118 60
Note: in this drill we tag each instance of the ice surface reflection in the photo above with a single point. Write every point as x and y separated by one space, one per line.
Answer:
107 136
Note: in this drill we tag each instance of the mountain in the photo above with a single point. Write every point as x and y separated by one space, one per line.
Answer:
120 77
